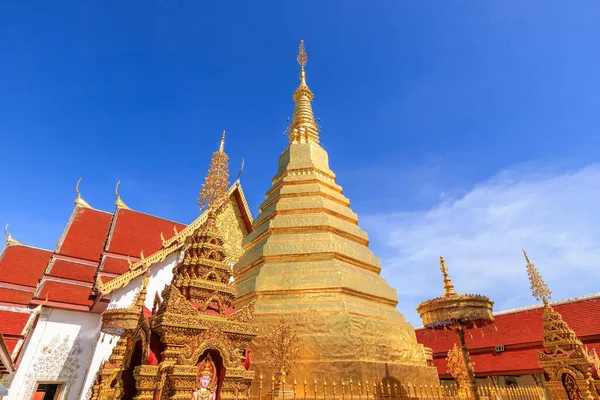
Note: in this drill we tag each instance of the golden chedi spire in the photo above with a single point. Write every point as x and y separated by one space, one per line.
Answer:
303 127
448 286
308 261
10 241
214 189
119 202
79 201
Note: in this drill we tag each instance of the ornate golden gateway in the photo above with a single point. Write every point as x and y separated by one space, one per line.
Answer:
568 365
193 329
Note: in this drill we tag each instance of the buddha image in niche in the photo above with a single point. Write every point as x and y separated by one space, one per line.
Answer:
206 382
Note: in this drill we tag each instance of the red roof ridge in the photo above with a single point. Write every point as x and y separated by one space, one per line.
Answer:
538 306
149 215
554 303
8 246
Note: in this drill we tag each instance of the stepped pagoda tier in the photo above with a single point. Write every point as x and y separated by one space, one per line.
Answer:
307 261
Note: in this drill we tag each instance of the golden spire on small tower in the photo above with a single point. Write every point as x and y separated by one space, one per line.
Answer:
79 201
214 189
303 128
141 297
539 289
9 239
448 286
120 203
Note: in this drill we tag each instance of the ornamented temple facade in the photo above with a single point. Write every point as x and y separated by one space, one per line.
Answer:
51 302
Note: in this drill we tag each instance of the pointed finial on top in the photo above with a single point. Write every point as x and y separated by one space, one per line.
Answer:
302 57
120 203
214 189
79 201
141 297
222 146
9 239
241 171
448 286
539 288
303 128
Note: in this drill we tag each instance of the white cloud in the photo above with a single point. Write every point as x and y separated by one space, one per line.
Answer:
555 218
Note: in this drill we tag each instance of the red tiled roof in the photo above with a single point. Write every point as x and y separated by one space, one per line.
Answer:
15 296
12 323
23 265
133 232
114 265
521 333
64 292
11 344
86 234
72 270
522 327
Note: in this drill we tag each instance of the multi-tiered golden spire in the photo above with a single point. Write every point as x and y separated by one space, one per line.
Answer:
214 189
303 128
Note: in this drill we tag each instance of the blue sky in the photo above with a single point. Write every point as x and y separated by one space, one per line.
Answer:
424 107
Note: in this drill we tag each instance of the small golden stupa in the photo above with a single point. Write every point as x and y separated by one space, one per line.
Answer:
308 262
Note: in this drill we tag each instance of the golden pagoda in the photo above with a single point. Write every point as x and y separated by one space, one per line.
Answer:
194 343
308 262
568 365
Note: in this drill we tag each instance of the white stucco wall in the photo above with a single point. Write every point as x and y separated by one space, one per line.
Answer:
58 351
161 274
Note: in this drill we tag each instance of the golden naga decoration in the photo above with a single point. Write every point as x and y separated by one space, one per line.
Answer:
458 370
119 202
283 350
457 312
79 201
567 363
10 241
214 189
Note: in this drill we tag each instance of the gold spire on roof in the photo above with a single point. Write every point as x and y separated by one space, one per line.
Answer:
79 201
141 297
214 189
539 289
120 203
448 286
303 128
222 146
9 239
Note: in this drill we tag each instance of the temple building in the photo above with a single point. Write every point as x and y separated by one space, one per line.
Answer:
51 302
508 356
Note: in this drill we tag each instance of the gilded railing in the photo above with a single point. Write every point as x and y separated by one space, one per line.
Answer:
382 390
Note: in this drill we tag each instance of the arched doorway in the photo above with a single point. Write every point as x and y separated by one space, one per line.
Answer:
129 390
571 387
